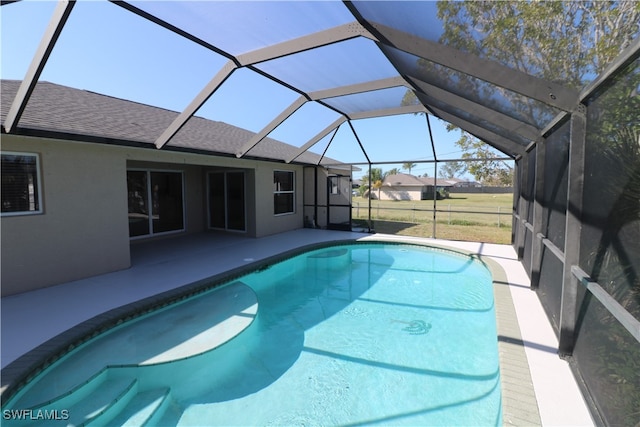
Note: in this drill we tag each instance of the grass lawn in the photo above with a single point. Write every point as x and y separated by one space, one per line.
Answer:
463 216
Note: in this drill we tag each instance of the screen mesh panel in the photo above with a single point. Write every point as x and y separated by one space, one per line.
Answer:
503 100
608 358
240 27
610 246
550 287
331 66
555 184
542 29
15 57
115 60
526 257
361 102
529 194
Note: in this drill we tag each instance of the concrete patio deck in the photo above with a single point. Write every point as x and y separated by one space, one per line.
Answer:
32 318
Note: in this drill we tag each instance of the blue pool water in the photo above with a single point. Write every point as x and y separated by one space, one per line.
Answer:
347 335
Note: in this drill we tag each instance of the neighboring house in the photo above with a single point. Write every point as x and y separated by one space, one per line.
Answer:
82 181
463 183
409 187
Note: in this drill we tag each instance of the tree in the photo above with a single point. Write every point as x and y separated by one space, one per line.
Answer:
377 185
570 46
485 168
409 166
377 177
394 171
568 42
451 170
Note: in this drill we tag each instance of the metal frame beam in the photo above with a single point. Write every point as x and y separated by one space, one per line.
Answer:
301 44
355 134
387 112
389 162
573 231
485 113
286 113
330 93
501 143
522 206
539 216
626 319
508 145
358 88
631 53
335 131
27 86
317 138
490 71
197 102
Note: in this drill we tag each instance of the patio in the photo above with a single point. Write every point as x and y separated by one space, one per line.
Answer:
168 264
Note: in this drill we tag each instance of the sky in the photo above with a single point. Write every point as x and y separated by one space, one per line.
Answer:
109 50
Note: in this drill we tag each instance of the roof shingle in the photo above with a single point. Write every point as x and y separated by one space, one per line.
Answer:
62 109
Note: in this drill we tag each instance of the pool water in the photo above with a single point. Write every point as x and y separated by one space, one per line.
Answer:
347 335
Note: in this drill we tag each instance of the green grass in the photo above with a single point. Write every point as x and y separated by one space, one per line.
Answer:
463 216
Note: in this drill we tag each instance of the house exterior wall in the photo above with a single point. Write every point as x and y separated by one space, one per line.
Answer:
405 192
83 230
266 222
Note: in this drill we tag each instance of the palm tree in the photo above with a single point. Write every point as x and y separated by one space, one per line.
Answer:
409 166
378 185
376 176
394 171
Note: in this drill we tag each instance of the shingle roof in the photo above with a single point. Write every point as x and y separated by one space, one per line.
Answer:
435 181
403 179
62 109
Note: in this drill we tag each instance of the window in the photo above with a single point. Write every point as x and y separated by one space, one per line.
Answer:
283 192
20 184
158 192
333 185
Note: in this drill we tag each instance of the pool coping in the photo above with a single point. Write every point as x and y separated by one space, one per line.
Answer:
519 402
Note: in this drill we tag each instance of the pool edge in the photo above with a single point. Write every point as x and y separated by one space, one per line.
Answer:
519 404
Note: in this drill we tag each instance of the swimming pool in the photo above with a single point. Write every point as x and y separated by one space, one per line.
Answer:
343 335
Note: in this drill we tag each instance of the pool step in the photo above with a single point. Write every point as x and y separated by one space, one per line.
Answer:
144 409
83 407
99 409
48 399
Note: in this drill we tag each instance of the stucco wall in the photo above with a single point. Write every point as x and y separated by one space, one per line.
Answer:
400 193
83 230
266 222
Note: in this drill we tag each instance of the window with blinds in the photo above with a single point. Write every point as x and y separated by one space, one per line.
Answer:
20 184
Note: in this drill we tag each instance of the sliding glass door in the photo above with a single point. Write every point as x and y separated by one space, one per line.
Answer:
227 209
155 202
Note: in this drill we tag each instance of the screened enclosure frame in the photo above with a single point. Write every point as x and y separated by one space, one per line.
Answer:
489 71
433 92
